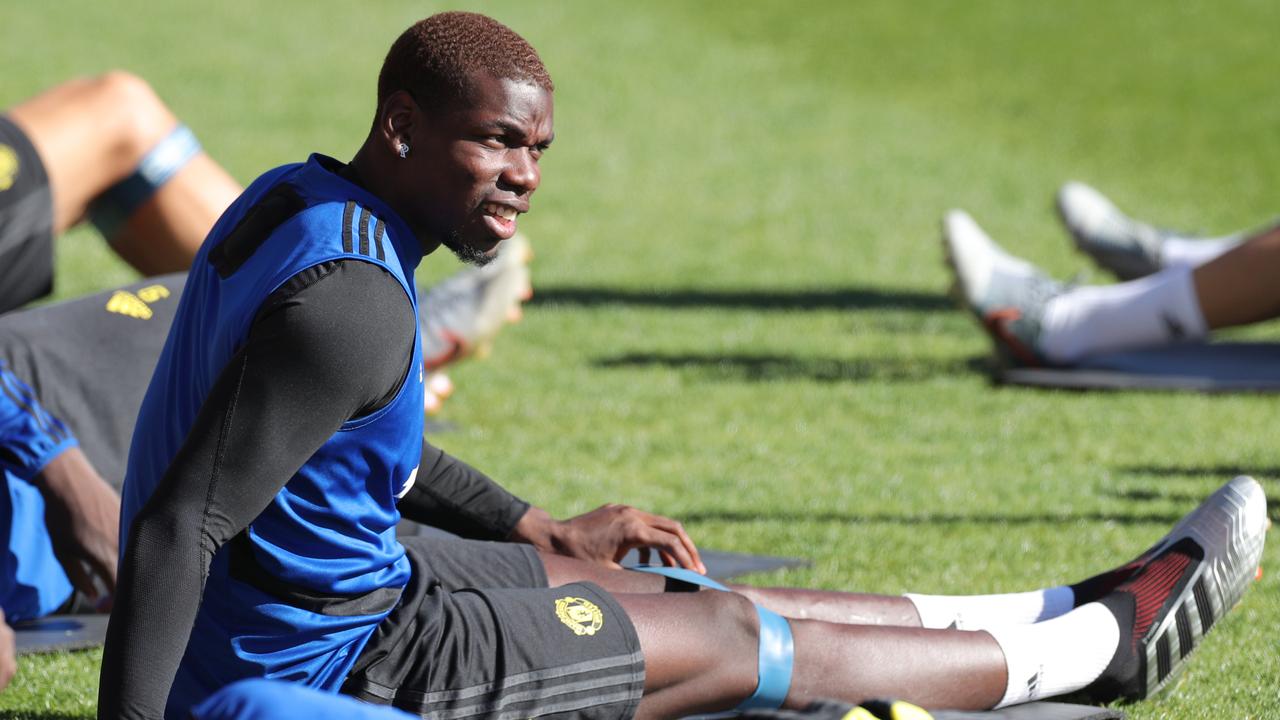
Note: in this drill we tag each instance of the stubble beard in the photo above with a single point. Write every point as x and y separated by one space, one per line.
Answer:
466 253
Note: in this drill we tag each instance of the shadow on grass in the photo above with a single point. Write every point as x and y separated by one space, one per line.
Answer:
787 367
1141 495
852 298
744 516
1225 472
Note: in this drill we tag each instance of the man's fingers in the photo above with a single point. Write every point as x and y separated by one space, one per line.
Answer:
691 551
106 571
668 545
81 578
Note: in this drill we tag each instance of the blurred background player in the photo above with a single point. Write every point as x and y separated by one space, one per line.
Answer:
1178 288
107 149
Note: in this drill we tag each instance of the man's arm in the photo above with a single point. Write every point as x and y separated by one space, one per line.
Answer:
275 403
454 496
82 512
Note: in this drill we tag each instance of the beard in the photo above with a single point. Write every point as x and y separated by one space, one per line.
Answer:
466 253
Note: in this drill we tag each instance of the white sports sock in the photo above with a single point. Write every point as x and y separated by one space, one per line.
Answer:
979 612
1057 656
1155 310
1194 252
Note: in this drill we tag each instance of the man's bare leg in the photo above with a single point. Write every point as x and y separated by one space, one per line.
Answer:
700 655
1239 287
850 608
865 646
698 646
91 134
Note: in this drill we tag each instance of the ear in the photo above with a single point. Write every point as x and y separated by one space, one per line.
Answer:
398 120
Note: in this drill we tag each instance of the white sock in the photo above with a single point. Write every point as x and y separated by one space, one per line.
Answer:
1155 310
1194 252
1057 656
979 612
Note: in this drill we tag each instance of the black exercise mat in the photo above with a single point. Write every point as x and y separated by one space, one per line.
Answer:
60 632
1195 367
720 565
725 565
1034 711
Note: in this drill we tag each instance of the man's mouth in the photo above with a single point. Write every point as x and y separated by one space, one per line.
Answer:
501 219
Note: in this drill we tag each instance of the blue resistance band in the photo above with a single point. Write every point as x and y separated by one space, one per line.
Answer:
777 648
113 207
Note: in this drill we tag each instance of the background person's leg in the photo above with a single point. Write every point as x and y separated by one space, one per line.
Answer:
1034 320
1239 287
1127 247
91 134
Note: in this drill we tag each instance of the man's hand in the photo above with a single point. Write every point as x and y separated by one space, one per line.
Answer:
607 533
8 654
82 513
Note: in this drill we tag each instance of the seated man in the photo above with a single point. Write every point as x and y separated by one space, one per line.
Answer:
107 148
1179 288
282 426
82 366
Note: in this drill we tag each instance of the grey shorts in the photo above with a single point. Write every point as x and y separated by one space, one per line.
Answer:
478 633
26 221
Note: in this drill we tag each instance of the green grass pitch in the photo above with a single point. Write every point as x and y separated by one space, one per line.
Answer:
741 318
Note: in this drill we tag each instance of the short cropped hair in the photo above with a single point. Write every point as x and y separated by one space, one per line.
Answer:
436 58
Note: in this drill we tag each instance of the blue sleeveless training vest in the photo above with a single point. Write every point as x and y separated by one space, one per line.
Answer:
297 595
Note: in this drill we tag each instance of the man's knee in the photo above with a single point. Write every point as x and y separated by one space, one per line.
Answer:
737 612
732 620
131 111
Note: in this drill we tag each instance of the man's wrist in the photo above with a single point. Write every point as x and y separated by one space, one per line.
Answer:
537 528
61 474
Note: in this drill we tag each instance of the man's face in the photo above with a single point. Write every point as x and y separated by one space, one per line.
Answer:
474 167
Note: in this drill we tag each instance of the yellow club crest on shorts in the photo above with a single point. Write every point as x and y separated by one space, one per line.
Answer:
128 304
8 166
580 615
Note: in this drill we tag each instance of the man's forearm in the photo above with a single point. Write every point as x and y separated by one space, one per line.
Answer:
454 496
82 513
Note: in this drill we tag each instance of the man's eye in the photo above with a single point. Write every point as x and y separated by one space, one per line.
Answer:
494 141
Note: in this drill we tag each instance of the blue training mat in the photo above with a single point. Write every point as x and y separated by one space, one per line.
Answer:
60 632
1194 367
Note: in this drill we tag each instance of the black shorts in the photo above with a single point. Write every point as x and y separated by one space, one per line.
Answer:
26 221
478 633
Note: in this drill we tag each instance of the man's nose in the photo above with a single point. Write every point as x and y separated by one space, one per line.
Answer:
523 174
